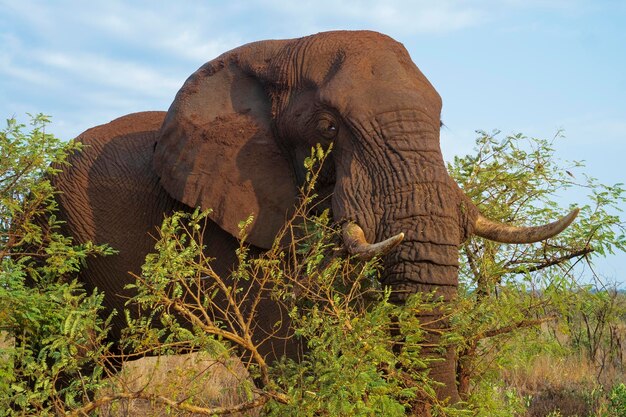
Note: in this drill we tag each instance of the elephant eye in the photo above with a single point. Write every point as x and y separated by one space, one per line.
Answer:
327 128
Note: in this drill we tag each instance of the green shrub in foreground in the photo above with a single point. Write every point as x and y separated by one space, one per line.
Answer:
51 325
353 367
350 367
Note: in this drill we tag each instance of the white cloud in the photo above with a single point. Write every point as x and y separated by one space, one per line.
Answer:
189 33
195 47
24 74
15 65
108 72
391 16
418 17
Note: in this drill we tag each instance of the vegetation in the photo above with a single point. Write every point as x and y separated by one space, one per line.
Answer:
47 319
533 334
525 308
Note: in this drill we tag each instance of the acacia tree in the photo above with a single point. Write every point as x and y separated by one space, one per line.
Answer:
520 180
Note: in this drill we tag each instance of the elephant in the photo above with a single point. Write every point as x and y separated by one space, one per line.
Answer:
234 140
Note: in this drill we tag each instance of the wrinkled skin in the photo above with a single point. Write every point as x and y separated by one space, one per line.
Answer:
235 139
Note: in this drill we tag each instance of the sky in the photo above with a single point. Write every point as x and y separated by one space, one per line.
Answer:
530 66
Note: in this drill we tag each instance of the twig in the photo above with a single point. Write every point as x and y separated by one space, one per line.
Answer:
550 262
507 329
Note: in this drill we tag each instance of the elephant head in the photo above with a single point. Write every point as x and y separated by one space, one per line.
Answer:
236 136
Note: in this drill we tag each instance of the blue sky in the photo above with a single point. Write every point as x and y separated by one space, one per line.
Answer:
531 66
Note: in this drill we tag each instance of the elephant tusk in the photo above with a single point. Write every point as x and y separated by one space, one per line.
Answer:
503 233
354 239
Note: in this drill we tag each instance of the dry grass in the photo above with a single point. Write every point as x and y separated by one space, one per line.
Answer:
196 378
547 371
572 385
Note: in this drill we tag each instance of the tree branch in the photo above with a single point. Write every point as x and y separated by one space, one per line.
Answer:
511 327
550 262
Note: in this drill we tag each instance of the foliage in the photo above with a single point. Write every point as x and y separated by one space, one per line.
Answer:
349 367
52 321
529 295
362 355
617 401
519 180
596 325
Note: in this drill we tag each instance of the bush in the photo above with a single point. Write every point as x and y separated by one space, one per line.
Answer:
617 401
50 321
353 366
340 313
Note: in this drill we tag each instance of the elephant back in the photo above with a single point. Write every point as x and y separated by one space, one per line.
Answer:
110 194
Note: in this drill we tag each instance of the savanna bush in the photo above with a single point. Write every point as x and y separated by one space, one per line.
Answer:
50 323
363 354
352 366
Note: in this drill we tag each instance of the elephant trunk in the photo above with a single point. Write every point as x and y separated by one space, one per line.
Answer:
427 262
427 214
422 256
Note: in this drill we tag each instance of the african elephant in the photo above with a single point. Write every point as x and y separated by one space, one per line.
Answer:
234 140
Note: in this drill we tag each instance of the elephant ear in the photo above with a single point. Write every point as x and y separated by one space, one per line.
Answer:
216 150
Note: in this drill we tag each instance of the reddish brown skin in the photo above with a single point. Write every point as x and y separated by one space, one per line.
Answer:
112 195
235 138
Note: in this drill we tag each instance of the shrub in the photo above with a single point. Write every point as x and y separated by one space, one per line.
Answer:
363 355
51 324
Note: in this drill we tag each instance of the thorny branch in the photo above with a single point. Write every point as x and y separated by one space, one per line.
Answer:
237 325
557 260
